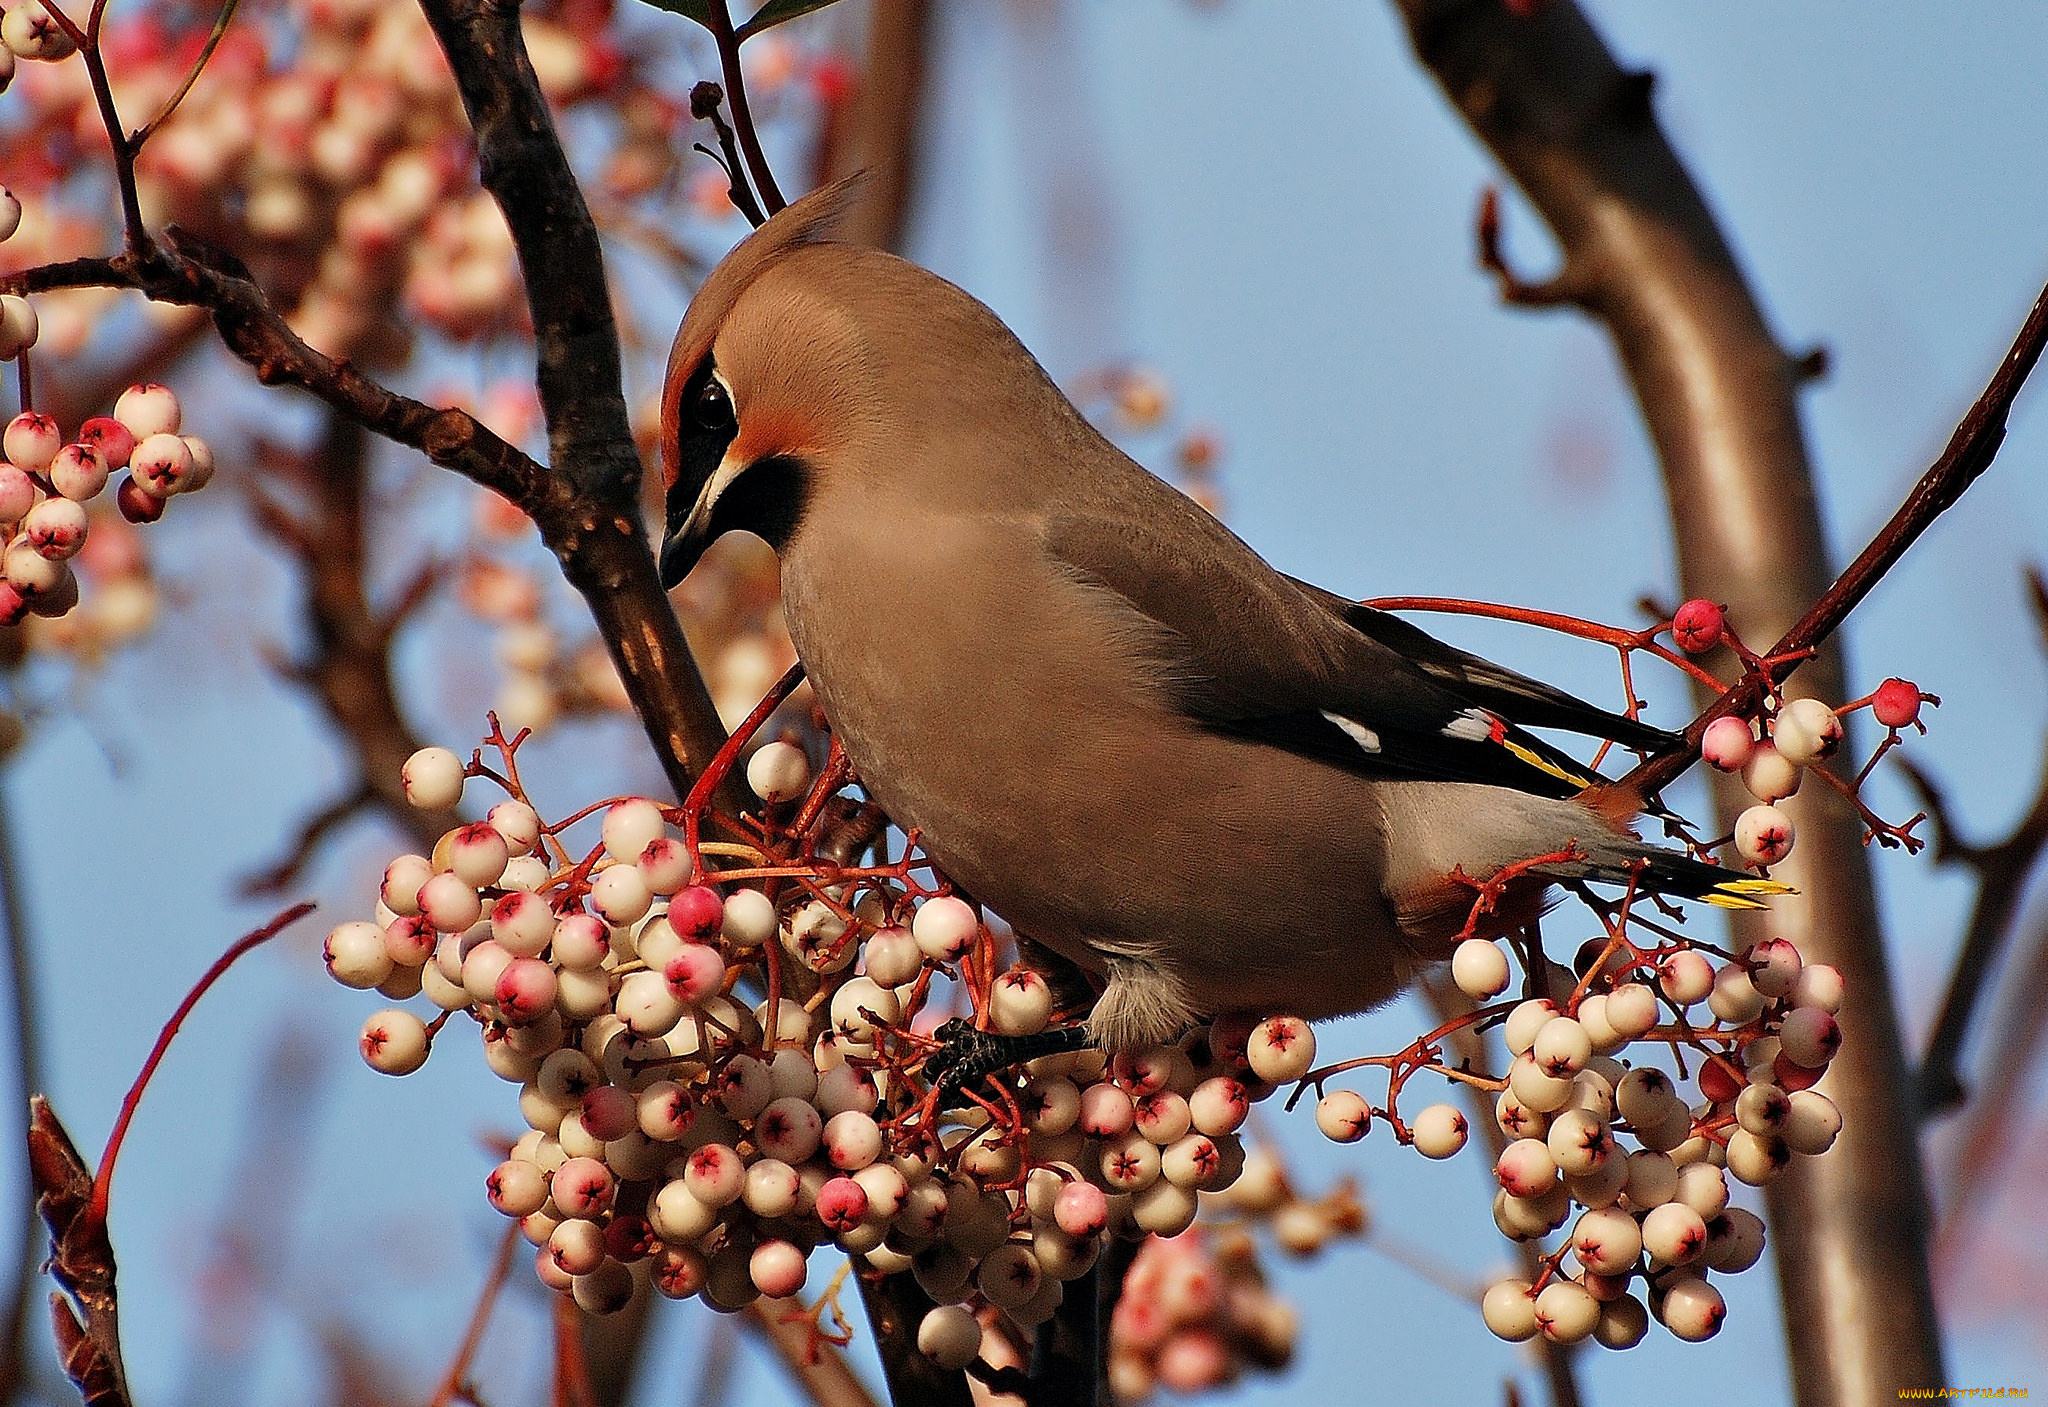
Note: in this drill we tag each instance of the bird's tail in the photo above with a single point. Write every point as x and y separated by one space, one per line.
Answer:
1655 871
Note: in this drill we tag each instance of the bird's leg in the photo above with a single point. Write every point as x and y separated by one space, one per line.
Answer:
966 1056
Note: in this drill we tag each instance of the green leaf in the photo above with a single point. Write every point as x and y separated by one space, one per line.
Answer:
698 10
779 12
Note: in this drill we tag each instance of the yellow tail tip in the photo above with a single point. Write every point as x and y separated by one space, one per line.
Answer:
1755 886
1744 893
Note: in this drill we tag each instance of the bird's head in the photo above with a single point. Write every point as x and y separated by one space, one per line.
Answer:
739 434
808 373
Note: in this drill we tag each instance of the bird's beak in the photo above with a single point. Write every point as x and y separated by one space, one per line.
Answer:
685 541
689 530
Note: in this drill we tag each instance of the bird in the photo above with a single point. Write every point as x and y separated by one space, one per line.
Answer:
1212 787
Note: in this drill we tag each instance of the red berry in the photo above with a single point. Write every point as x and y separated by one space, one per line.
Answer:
1698 625
697 914
1720 1081
137 506
1896 703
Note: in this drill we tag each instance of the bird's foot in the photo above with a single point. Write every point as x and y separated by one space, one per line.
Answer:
966 1056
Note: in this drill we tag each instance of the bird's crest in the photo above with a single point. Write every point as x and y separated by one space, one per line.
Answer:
812 220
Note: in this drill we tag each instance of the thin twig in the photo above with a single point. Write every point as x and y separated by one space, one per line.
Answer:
457 1375
28 1040
742 116
2002 870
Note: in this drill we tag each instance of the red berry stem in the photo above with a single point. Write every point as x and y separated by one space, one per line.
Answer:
103 1179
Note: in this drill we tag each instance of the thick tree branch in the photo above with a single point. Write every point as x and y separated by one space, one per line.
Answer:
1578 135
602 543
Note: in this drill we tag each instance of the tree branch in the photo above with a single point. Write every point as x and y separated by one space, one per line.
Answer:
1578 135
601 542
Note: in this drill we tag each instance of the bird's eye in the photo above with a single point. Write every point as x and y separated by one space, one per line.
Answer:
714 407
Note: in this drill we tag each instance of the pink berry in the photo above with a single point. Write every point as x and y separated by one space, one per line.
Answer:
1081 1209
581 942
17 493
110 437
355 955
715 1175
409 940
1698 626
1525 1168
582 1187
1219 1106
161 465
202 464
433 778
1727 744
777 1268
842 1203
629 1238
32 441
1810 1037
477 853
148 409
1897 703
609 1112
449 903
55 528
518 823
944 928
1806 731
395 1042
525 990
778 771
696 974
1142 1072
665 865
517 1187
1106 1111
852 1140
523 923
79 472
1769 776
1686 977
1763 835
13 605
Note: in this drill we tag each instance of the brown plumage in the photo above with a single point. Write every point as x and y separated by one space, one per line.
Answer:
1213 786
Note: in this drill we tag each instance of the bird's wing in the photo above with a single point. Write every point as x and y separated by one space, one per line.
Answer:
1244 650
1529 702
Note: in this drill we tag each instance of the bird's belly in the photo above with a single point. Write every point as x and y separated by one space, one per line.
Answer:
1051 782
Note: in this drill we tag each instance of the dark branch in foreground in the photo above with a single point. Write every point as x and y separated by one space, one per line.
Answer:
601 543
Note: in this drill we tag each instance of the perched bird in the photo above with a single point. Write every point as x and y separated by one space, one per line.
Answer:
1211 786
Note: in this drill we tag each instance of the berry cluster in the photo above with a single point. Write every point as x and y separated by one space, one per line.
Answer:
1790 737
45 485
1656 1212
1195 1312
722 1139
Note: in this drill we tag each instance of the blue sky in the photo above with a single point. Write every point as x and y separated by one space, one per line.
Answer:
1271 205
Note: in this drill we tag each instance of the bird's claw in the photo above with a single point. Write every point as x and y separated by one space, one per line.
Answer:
966 1055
